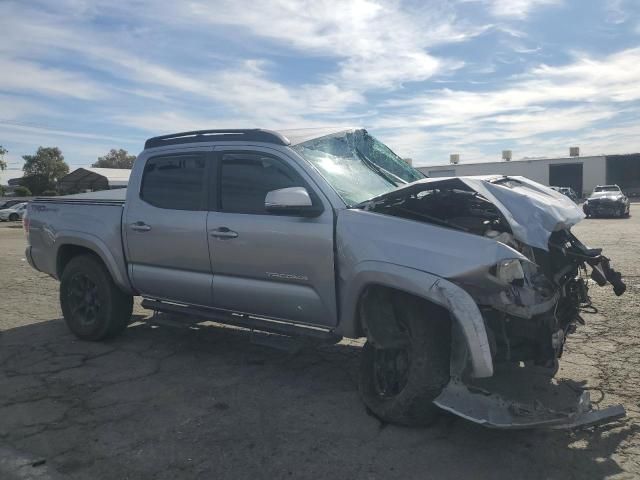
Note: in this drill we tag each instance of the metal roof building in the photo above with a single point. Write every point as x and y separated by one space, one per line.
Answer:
580 173
94 179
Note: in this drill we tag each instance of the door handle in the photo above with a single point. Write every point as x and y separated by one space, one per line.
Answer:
140 227
223 232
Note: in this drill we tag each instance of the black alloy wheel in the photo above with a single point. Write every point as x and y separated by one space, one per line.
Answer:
93 306
84 300
391 370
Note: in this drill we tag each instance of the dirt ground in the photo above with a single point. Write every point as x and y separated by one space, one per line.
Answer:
166 403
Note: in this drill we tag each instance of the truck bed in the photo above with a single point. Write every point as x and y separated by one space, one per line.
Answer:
92 221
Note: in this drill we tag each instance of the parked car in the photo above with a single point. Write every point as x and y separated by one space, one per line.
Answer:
328 234
567 192
13 213
607 200
4 204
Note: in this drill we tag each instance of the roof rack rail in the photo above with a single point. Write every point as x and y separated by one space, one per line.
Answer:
249 135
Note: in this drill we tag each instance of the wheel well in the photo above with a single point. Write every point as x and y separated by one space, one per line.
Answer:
67 252
380 306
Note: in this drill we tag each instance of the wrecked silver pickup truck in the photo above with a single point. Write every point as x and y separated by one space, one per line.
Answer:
466 289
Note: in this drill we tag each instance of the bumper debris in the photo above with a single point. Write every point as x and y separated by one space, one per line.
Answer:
494 410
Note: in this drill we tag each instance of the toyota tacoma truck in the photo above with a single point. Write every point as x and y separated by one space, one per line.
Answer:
465 289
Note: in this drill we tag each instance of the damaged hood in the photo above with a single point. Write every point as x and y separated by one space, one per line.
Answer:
605 196
532 210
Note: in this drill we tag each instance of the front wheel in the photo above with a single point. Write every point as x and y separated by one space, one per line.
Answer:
94 308
622 212
399 384
14 217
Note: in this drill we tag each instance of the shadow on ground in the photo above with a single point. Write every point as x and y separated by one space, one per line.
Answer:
161 402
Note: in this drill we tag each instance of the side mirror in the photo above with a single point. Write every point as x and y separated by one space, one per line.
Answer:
292 201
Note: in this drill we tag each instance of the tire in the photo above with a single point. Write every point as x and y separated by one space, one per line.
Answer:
94 308
427 352
14 217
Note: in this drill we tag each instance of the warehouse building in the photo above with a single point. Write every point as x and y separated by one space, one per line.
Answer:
580 173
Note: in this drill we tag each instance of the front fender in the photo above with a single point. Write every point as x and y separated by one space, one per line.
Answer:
435 289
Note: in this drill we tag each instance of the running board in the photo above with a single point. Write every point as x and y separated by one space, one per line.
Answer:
243 320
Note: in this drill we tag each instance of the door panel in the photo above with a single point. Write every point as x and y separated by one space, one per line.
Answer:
165 230
276 266
272 265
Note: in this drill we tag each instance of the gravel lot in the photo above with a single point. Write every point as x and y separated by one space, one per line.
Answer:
166 403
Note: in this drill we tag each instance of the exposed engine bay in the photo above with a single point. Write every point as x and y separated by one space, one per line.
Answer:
533 302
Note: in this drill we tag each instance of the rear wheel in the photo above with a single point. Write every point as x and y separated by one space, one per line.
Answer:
94 308
399 384
14 217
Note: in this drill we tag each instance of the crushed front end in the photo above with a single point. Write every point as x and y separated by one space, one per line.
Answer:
530 303
528 319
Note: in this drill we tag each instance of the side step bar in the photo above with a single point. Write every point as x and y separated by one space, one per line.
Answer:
243 320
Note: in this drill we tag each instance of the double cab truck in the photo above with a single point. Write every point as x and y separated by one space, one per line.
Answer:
463 288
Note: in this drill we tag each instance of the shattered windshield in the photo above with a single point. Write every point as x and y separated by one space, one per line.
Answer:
607 188
356 165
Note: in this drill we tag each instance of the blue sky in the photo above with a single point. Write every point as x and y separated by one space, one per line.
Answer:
429 78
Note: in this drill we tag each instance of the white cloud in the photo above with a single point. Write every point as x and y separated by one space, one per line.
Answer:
14 107
616 13
24 76
609 80
382 44
41 130
517 8
244 86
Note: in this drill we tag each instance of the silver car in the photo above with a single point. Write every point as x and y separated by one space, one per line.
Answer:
14 213
607 200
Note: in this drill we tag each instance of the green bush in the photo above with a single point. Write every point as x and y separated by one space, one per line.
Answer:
21 191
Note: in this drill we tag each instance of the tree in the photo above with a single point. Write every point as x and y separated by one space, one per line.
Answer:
44 168
35 183
115 159
3 164
21 191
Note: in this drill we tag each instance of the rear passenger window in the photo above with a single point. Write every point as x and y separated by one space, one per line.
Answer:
175 182
247 177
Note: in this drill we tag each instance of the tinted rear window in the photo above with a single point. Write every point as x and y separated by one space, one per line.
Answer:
175 182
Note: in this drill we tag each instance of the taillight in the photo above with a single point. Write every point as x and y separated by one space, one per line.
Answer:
25 223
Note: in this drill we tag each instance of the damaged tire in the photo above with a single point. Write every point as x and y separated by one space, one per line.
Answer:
399 383
94 308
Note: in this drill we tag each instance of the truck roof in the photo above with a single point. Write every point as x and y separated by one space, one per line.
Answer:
282 137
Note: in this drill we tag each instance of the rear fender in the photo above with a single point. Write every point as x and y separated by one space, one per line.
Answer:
116 266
